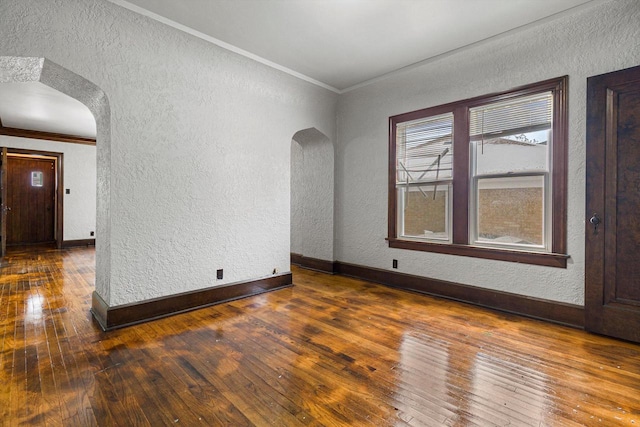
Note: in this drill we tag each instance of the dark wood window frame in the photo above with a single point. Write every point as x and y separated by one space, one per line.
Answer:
461 179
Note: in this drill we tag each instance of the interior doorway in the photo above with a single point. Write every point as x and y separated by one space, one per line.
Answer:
312 197
34 205
32 69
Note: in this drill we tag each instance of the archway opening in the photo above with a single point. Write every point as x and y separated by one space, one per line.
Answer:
30 69
312 190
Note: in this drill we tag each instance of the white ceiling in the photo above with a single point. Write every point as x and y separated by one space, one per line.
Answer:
36 106
337 44
343 43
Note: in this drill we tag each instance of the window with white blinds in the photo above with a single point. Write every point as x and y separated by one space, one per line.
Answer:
495 188
510 190
424 170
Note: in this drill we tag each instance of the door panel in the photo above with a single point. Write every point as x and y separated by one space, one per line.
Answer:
627 263
31 197
3 200
612 279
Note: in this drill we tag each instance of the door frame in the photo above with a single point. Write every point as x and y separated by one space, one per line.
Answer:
59 190
3 198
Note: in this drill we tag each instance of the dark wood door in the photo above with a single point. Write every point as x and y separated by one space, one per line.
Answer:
31 200
612 276
3 200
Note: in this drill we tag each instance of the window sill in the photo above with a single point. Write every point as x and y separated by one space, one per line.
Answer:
535 258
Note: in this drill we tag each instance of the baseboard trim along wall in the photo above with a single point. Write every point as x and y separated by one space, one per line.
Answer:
313 263
537 308
120 316
76 243
117 317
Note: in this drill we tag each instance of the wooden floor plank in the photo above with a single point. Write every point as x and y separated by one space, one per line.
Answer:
331 351
355 362
18 380
6 328
51 403
321 364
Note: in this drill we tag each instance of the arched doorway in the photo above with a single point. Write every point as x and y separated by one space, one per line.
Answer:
29 69
312 189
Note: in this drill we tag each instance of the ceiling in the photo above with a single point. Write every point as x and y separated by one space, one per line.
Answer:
336 44
36 106
344 43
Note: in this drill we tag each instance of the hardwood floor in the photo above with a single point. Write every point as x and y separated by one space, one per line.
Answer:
331 351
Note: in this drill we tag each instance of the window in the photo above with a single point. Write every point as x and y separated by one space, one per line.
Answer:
424 173
484 177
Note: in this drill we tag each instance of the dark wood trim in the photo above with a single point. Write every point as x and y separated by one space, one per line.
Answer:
59 231
121 316
392 208
313 263
296 259
76 243
598 114
537 308
49 136
535 258
460 214
99 310
560 167
3 201
60 201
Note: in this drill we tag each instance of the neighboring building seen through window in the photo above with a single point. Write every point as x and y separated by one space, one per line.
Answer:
484 177
424 160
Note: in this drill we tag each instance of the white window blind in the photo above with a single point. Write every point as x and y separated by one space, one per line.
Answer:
509 118
424 150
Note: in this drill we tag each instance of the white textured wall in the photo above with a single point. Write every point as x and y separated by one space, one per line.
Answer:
297 198
599 39
79 175
200 143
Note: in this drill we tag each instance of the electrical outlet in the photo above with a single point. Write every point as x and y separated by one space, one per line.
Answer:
219 274
68 191
395 263
92 233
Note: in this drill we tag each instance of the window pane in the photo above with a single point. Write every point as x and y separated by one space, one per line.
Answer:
511 210
424 151
424 211
505 155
